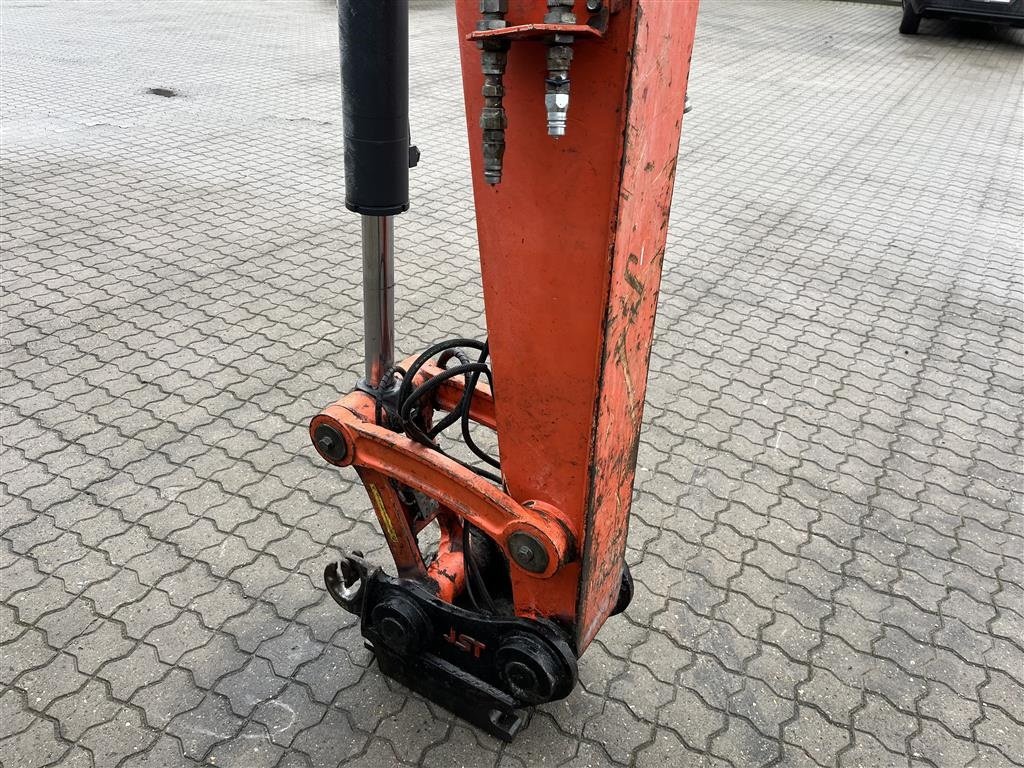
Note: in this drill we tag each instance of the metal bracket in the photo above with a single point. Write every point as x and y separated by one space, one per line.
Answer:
540 32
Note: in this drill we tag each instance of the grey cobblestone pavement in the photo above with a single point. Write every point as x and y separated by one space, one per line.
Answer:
827 532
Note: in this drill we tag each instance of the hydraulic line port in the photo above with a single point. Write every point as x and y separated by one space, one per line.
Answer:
494 58
556 85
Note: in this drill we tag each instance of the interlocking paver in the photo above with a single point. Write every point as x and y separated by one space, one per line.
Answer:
209 663
165 699
173 640
331 741
201 728
14 714
138 668
249 686
827 536
123 735
37 745
251 747
289 713
166 751
332 672
59 677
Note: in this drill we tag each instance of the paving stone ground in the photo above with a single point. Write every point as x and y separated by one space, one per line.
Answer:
827 531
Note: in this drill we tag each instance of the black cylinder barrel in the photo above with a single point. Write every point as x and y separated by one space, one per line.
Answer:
374 39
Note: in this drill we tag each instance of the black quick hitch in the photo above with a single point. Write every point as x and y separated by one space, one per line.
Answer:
482 668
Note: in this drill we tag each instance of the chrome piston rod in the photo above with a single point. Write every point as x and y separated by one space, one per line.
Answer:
378 296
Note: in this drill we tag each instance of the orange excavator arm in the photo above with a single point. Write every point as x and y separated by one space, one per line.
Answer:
574 109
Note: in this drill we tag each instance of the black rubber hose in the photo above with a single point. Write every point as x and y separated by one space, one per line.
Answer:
436 349
467 437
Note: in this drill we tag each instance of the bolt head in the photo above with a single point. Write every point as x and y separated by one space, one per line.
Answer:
527 552
329 442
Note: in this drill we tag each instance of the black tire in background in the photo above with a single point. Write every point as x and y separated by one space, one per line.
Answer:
911 19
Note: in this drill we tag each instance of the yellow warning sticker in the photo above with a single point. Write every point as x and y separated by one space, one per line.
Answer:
382 512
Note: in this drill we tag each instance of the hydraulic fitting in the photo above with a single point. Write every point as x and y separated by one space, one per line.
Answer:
556 90
494 57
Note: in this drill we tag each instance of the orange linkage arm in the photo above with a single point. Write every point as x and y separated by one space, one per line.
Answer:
383 456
